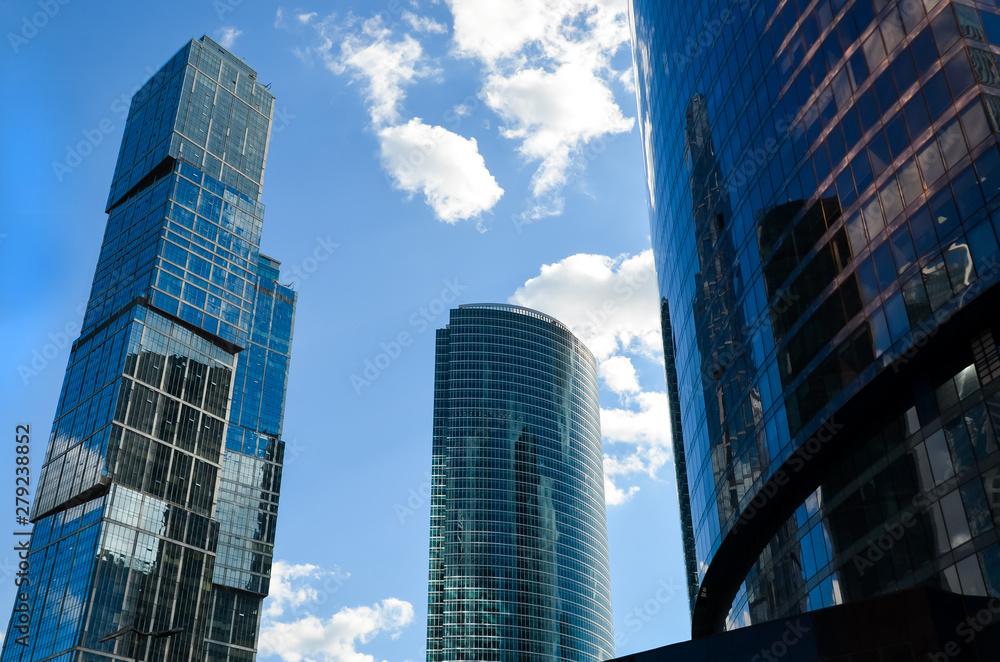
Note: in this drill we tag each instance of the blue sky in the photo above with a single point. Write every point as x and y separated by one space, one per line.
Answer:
423 154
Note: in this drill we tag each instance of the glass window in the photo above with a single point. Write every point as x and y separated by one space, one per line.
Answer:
915 297
880 332
885 267
929 158
988 169
874 220
945 30
944 213
958 72
937 94
895 132
974 120
983 244
909 182
895 314
856 232
878 151
939 457
892 205
924 52
866 278
968 197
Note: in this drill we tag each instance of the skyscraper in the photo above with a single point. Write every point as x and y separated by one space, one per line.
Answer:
518 544
157 499
823 184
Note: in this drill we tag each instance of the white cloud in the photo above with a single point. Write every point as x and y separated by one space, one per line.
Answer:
335 639
445 167
227 36
553 115
385 65
291 586
549 72
619 375
646 426
616 496
306 18
315 638
424 23
612 304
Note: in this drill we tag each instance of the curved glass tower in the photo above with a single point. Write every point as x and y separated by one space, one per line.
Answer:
518 545
823 182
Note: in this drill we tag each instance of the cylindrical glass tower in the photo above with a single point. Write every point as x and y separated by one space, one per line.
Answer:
823 179
519 547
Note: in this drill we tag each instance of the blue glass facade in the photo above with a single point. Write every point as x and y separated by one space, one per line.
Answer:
157 498
518 544
823 179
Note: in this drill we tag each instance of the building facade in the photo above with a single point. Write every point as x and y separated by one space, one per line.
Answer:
518 539
157 499
823 184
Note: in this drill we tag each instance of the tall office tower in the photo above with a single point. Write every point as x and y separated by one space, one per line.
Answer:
823 184
518 544
157 499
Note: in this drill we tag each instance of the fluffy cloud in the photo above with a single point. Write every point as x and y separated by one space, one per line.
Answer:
293 586
616 496
383 64
227 36
424 23
445 167
335 639
612 304
317 639
619 375
553 114
548 76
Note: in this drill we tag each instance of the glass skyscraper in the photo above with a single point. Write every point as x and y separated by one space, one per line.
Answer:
157 499
518 542
824 187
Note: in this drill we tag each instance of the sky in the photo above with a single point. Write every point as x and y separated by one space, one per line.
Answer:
424 154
